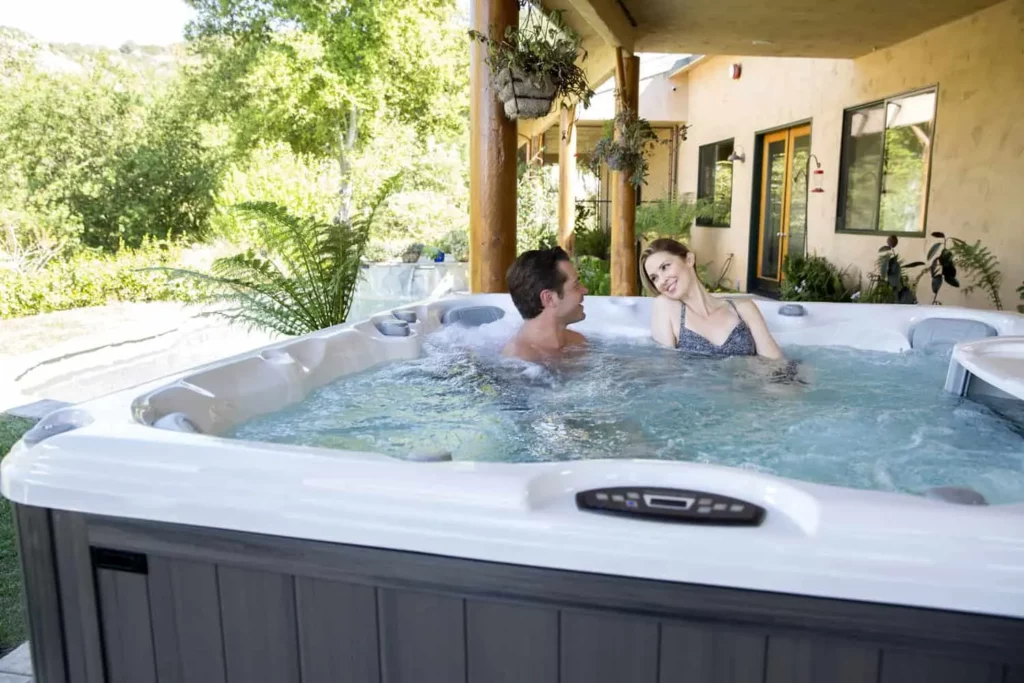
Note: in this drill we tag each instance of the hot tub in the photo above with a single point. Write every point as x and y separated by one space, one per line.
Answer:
155 550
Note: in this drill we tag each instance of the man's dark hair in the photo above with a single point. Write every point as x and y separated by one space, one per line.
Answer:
532 273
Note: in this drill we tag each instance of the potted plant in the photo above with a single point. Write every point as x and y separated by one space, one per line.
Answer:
628 153
535 63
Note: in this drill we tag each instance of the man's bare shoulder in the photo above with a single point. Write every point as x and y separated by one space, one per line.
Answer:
574 338
521 350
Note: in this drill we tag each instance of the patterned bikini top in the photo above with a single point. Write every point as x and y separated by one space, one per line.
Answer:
740 341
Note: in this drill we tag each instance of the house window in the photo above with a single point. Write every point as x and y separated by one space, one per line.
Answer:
886 156
714 183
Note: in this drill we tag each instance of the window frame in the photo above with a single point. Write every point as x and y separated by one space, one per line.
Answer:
710 222
842 189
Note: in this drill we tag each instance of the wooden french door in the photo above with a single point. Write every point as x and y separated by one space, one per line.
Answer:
783 220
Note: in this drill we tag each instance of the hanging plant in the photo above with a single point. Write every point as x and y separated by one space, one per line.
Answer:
534 64
628 153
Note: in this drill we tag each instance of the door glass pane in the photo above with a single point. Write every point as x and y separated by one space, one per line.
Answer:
797 229
775 193
908 136
862 165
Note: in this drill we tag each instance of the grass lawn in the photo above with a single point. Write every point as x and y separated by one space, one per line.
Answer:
12 624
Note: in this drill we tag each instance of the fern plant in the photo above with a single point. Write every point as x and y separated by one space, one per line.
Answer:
981 266
304 277
671 217
1020 290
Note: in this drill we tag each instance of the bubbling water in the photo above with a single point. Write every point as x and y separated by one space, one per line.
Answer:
845 417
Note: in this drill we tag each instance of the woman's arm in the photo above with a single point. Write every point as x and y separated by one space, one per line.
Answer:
662 328
763 339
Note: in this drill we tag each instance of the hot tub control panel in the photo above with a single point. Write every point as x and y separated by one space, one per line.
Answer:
671 505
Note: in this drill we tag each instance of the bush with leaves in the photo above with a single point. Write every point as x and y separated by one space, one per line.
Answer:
94 278
537 209
595 274
455 243
813 278
303 278
627 153
542 49
1020 290
671 217
890 284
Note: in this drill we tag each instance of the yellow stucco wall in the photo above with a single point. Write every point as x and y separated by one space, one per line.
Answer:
977 177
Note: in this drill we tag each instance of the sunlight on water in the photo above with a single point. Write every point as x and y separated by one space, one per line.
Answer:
852 418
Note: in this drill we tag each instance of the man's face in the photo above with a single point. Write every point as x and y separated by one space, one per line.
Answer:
569 307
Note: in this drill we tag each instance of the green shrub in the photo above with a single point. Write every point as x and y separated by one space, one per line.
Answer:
95 279
456 243
671 217
813 278
595 274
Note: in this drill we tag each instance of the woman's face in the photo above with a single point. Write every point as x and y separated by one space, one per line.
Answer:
671 275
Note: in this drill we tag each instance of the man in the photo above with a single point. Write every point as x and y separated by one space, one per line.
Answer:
546 290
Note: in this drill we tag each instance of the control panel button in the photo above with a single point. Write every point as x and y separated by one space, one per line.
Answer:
704 501
718 507
703 510
617 498
602 496
735 508
634 495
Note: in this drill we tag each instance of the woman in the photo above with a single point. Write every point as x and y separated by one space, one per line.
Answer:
686 317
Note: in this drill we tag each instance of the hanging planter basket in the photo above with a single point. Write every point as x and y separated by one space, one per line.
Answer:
525 97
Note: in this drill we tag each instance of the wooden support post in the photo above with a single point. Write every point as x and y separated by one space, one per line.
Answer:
566 176
492 159
624 256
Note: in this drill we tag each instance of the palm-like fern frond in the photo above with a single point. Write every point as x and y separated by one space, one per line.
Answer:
304 277
981 265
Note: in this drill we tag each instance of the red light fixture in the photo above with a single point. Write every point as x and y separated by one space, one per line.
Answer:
735 71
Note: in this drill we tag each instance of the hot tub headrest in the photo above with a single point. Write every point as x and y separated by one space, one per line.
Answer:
944 332
472 316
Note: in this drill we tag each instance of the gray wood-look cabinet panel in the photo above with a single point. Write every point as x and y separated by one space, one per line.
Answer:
337 632
509 643
709 655
185 603
126 626
258 617
422 637
606 648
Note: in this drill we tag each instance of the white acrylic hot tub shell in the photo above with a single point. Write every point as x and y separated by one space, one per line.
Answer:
816 540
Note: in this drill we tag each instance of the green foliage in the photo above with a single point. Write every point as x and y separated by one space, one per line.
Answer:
302 72
1020 290
93 279
541 48
536 209
303 278
12 622
100 158
981 266
627 154
891 283
303 184
813 278
595 274
671 217
942 267
455 243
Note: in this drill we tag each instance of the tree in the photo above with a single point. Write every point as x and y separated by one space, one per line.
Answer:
325 76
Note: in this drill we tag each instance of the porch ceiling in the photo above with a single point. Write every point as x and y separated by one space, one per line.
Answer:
791 28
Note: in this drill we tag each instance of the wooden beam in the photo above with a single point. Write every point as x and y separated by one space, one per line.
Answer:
566 176
624 258
492 159
608 21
